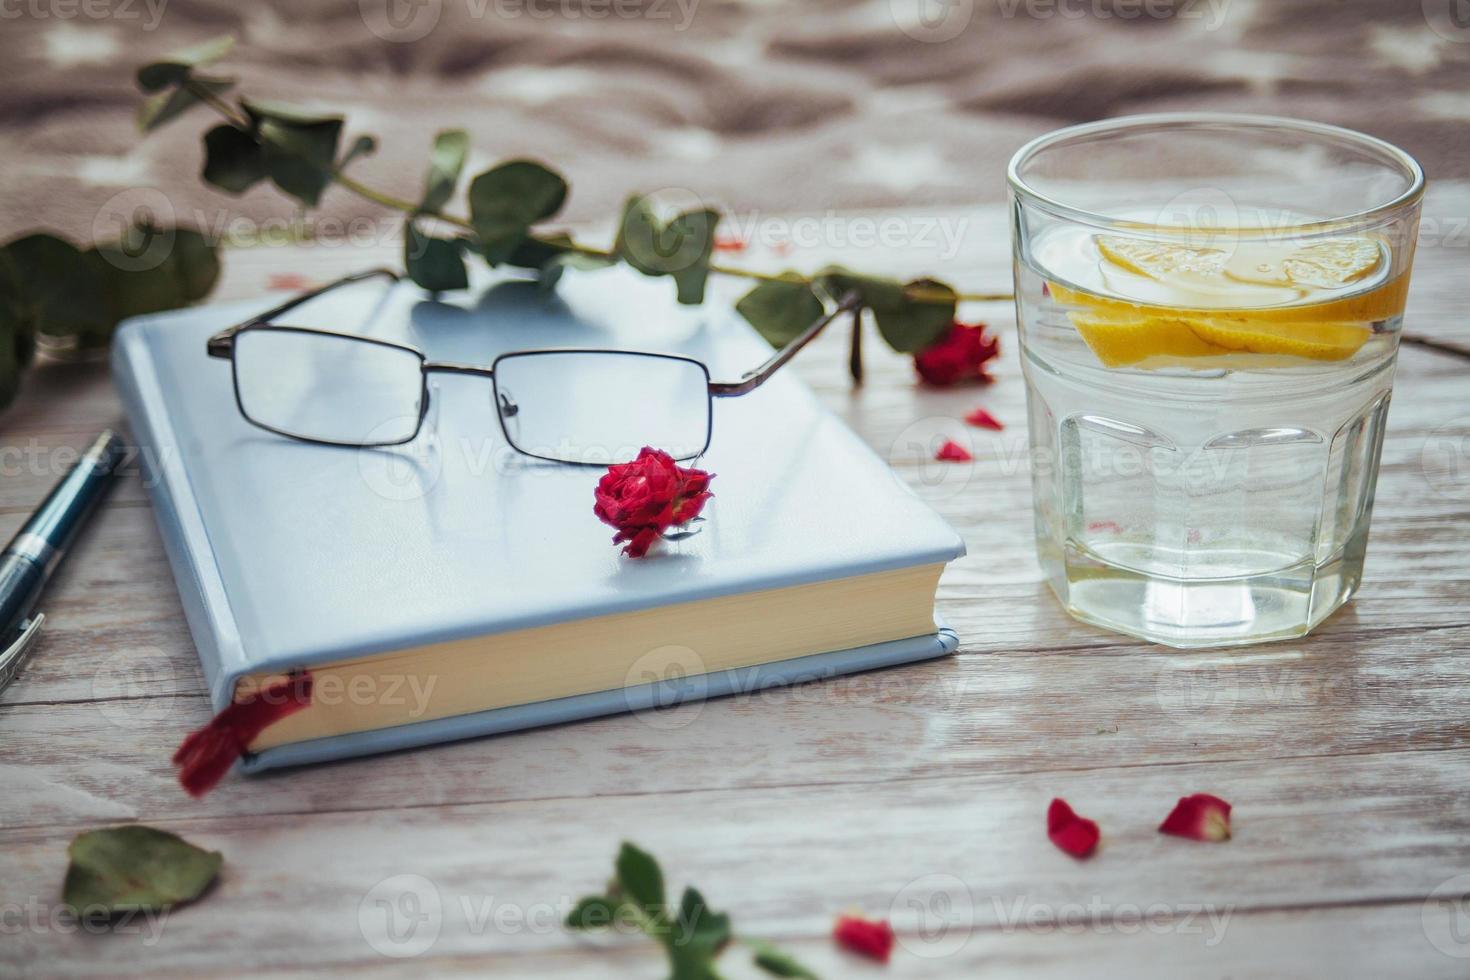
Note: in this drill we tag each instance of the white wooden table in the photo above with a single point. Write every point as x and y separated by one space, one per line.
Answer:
1347 755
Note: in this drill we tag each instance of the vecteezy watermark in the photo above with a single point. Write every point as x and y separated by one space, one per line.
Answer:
132 687
1445 917
667 687
1206 696
1450 19
150 12
406 21
933 915
401 916
1211 12
36 916
932 21
1445 459
404 915
1097 916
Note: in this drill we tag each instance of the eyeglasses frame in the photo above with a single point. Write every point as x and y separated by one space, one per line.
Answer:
222 345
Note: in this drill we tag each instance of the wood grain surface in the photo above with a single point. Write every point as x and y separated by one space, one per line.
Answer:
916 793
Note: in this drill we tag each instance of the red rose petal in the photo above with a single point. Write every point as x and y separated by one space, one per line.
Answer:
1075 835
1198 817
206 755
871 939
953 452
984 420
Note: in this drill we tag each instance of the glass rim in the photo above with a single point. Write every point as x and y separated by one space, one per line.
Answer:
1245 122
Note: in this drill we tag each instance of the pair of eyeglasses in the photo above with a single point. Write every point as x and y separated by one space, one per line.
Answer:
566 405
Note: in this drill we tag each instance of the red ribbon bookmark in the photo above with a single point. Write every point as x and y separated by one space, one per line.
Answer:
206 755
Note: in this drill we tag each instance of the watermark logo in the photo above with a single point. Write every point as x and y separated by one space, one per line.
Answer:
1445 917
1450 19
401 21
405 472
932 21
933 915
401 916
912 457
1445 460
141 221
132 688
1196 696
666 688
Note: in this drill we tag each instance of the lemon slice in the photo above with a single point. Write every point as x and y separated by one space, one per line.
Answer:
1121 332
1164 261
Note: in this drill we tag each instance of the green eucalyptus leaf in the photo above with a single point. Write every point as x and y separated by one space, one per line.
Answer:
53 287
301 157
194 264
697 228
640 879
698 936
174 68
446 161
288 113
363 146
436 264
777 962
17 345
913 325
147 271
162 107
534 251
593 912
877 292
234 160
135 868
680 249
507 200
781 309
638 235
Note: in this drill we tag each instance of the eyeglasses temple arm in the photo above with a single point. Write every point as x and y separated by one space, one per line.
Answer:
222 344
752 380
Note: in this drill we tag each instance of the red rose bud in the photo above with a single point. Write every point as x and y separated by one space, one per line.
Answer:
982 419
1075 835
206 755
871 939
646 497
953 452
959 355
1199 817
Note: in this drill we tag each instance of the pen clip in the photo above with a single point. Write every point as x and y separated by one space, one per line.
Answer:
15 654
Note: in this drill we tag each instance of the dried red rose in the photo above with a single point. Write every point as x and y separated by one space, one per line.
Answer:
1075 835
953 452
207 754
646 497
871 939
982 419
959 355
1198 817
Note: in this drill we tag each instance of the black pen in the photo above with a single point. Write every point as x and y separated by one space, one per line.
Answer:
27 562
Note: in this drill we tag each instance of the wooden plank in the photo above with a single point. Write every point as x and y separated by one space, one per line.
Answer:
1368 942
976 714
1362 830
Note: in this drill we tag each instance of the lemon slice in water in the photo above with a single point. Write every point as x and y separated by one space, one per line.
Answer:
1121 332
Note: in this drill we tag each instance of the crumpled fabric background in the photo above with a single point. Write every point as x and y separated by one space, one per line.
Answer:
748 104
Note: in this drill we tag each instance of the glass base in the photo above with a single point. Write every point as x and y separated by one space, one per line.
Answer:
1203 612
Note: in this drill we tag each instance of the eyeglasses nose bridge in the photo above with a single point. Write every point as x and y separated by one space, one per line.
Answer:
449 367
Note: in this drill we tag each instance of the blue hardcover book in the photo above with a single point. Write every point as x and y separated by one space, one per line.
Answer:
452 587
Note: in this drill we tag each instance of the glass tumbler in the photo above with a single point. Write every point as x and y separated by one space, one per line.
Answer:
1209 311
